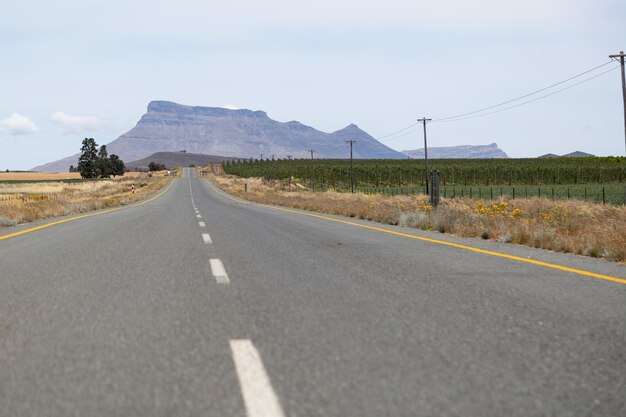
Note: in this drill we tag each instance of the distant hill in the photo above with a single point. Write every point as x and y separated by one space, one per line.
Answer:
459 152
241 133
577 154
176 159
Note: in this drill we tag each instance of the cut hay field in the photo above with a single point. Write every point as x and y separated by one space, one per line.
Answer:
38 176
34 196
57 176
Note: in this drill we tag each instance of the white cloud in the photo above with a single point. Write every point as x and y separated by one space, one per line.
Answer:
78 124
230 107
18 125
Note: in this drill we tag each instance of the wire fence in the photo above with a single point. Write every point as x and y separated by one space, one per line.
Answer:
606 194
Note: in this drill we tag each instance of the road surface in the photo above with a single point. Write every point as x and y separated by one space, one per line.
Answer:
196 304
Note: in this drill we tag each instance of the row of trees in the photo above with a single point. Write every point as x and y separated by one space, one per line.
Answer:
155 166
97 163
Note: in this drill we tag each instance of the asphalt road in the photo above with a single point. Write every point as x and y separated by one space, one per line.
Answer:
195 304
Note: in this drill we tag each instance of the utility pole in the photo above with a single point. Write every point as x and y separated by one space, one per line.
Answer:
621 56
424 121
261 157
351 166
311 150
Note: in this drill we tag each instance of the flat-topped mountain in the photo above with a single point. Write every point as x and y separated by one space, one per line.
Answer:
241 133
463 151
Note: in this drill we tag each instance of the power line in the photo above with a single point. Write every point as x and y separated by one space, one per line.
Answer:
398 131
413 128
526 95
525 102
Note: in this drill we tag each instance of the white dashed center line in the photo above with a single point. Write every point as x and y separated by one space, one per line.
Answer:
193 203
218 271
198 216
206 238
258 395
201 224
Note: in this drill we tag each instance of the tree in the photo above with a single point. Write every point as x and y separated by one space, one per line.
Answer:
117 165
104 169
94 163
88 158
72 169
154 166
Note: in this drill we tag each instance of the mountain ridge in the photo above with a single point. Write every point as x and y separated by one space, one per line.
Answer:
240 133
461 151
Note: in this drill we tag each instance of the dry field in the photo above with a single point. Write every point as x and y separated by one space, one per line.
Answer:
26 202
55 176
566 226
38 176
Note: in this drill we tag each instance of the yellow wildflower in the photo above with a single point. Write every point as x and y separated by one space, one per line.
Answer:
517 212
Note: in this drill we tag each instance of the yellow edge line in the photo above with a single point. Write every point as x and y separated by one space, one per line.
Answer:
439 242
43 226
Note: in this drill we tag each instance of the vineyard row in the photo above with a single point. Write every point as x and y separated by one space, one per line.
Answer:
461 172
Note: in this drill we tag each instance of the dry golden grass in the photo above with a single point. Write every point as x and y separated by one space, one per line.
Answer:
52 176
22 203
566 226
38 176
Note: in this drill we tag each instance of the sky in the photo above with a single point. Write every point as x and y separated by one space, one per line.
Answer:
72 69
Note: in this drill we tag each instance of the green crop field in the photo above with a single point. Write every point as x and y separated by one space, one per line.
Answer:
593 178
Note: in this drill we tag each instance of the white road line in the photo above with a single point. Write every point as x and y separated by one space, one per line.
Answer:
201 224
206 238
218 271
198 216
258 395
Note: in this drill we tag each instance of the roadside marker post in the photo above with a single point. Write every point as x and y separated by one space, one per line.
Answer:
434 188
